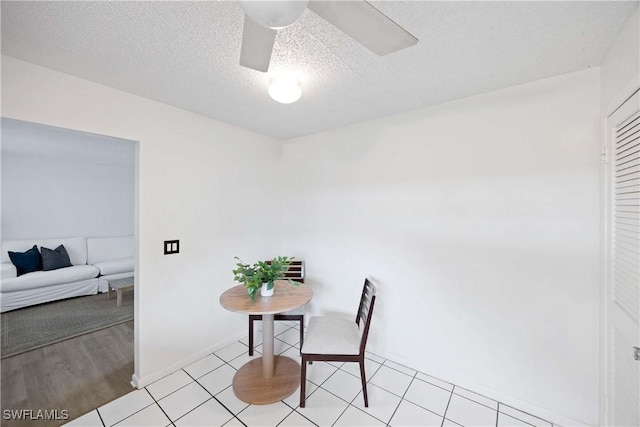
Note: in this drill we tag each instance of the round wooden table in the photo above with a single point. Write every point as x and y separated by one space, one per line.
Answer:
269 378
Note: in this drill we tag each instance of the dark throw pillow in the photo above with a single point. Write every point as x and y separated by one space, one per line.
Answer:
55 259
26 262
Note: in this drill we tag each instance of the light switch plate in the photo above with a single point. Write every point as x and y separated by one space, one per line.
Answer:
171 247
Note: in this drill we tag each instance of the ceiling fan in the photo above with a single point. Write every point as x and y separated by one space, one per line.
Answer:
356 18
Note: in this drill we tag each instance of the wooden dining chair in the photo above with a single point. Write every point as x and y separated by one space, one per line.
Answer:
332 339
295 273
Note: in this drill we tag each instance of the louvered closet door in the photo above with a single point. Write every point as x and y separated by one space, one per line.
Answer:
623 302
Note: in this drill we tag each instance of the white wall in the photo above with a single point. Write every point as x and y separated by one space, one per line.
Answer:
59 183
621 64
478 220
209 184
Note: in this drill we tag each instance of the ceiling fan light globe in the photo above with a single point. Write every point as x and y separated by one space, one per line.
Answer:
284 90
274 14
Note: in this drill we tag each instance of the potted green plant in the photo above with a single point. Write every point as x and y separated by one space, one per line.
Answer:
262 274
245 274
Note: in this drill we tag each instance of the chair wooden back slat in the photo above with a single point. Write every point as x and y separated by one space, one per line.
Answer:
366 302
365 311
295 271
365 308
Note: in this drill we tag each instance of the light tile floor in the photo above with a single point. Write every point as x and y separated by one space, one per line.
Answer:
201 395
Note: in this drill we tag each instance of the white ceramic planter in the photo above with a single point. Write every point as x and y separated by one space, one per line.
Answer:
266 292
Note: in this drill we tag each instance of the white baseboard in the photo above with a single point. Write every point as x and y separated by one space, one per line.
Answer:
145 381
554 417
135 381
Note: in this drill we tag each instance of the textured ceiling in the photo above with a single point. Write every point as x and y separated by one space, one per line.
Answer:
186 54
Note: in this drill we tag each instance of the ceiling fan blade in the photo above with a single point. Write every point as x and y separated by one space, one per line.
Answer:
366 24
257 45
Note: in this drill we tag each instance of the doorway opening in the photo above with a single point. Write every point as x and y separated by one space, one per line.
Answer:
66 345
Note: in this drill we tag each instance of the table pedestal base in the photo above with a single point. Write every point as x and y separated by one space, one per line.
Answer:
250 386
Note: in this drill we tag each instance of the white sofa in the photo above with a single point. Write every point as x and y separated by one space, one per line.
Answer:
95 261
113 256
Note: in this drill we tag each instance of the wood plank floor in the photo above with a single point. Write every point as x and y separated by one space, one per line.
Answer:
78 375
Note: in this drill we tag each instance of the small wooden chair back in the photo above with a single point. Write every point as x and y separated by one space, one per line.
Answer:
365 311
295 271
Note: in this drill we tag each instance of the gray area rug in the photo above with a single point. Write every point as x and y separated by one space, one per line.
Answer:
34 327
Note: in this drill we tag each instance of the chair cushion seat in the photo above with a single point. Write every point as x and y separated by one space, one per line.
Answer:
330 335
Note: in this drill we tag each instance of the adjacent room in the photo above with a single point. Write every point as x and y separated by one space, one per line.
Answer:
461 178
71 195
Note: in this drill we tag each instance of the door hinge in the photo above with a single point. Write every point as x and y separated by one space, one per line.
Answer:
636 353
